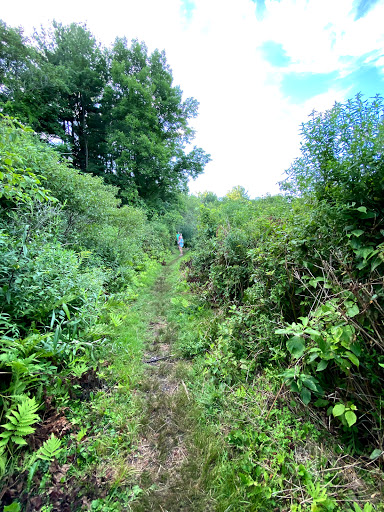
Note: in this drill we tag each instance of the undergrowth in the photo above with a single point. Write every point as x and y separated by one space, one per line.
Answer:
94 417
274 452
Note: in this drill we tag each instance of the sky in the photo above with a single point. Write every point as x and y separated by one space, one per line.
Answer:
257 67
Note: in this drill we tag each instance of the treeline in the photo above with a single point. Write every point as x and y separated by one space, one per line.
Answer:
113 112
296 280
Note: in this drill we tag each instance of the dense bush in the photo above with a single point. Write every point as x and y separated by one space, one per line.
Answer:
308 265
66 246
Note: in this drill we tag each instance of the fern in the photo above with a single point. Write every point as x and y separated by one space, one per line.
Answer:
99 330
19 423
79 369
116 319
50 449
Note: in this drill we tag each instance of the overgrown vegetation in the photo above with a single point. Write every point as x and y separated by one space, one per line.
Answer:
296 283
69 269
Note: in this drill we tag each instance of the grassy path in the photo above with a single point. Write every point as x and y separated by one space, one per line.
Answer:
170 460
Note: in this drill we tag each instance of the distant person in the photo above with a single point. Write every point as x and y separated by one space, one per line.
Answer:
180 243
178 234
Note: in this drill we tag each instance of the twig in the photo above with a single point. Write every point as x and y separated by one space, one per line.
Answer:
155 359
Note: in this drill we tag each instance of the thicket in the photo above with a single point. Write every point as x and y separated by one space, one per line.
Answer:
296 282
70 256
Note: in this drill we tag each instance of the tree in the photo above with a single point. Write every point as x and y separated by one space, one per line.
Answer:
30 89
237 194
75 53
148 127
56 87
114 113
13 53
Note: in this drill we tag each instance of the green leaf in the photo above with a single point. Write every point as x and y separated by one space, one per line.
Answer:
357 232
321 402
376 453
305 395
322 365
296 346
283 331
353 311
13 507
362 209
338 410
364 252
353 358
351 418
66 310
375 263
50 449
313 332
310 384
19 440
313 355
304 320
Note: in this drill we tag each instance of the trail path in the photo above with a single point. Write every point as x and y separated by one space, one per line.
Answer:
169 465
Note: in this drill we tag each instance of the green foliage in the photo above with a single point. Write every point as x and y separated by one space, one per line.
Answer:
66 248
50 449
115 111
13 507
345 413
19 423
17 182
297 278
341 154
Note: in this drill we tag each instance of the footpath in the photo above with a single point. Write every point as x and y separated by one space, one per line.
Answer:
170 466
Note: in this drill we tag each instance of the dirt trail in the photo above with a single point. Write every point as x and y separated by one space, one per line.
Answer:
170 467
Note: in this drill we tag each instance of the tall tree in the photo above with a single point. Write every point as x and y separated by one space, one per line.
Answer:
117 112
148 127
73 50
31 89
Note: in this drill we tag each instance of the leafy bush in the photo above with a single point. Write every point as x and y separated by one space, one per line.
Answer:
309 267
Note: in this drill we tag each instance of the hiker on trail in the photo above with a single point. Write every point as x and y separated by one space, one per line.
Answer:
178 234
180 243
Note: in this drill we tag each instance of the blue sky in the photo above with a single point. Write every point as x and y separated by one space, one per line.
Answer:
257 67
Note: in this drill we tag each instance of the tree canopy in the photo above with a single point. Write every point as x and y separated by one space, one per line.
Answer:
113 112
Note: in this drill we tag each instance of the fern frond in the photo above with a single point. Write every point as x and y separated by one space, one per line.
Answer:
19 440
20 422
50 449
99 330
116 319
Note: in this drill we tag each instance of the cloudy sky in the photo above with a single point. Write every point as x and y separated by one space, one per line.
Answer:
257 67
